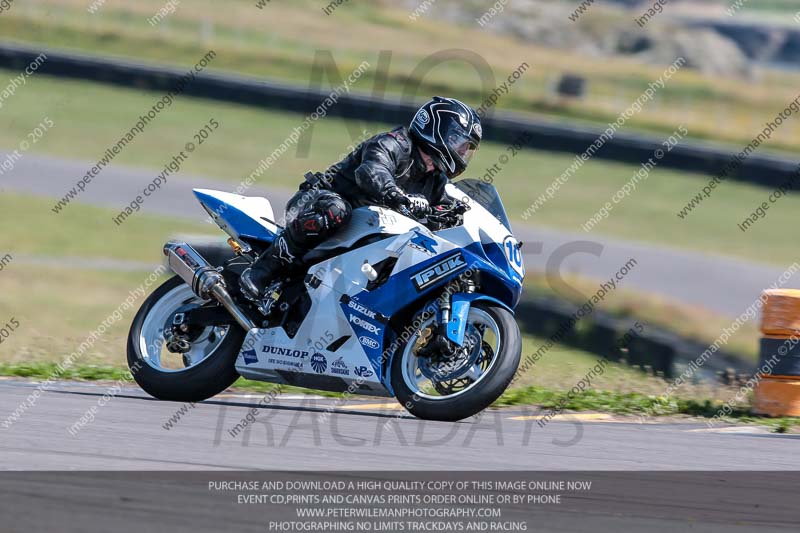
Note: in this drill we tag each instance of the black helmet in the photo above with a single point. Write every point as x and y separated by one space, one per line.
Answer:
449 132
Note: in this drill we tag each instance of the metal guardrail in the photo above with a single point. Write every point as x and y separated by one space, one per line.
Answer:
766 170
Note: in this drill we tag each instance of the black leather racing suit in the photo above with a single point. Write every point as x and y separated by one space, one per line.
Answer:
324 203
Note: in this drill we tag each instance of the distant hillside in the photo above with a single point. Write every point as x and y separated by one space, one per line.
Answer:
713 41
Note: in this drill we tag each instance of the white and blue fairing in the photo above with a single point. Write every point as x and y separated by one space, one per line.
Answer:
247 217
346 329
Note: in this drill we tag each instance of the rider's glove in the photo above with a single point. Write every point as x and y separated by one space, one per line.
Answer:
395 198
419 205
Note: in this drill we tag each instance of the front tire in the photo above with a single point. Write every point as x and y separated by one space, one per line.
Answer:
205 371
481 383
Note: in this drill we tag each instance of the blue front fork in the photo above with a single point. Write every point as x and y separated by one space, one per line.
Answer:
460 304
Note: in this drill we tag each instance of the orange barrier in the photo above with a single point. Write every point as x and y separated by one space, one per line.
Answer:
776 396
781 315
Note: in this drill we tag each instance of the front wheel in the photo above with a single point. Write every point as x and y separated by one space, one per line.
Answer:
454 388
206 369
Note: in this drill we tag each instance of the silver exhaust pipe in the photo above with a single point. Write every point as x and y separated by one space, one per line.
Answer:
205 281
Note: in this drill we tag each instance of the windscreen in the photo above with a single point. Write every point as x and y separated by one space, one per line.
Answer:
486 196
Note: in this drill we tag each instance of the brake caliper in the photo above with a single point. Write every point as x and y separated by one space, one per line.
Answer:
176 337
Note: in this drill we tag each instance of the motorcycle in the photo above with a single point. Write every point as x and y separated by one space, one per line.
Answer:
420 309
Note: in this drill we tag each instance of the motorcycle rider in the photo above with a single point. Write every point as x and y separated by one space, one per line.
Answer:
405 167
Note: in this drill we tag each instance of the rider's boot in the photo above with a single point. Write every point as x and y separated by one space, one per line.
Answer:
270 266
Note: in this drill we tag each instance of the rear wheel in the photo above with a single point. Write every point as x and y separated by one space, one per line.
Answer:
454 388
205 370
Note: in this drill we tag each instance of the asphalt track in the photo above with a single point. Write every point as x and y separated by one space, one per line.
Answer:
321 434
124 469
724 285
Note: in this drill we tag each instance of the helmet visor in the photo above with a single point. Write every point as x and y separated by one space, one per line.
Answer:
462 146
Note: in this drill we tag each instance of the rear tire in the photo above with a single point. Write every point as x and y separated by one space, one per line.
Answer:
199 382
483 393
